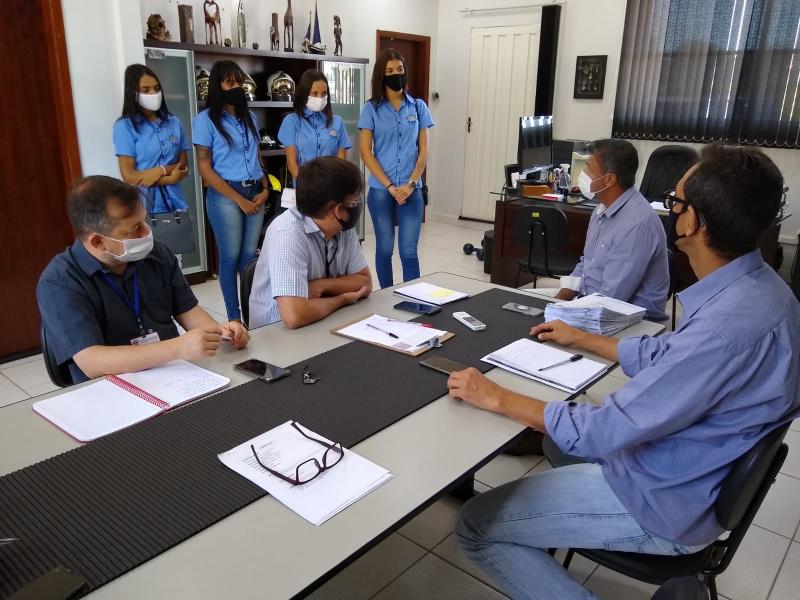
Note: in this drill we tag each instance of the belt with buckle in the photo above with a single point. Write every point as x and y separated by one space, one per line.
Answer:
246 182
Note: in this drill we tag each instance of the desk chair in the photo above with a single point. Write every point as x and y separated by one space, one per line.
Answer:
682 588
59 374
665 167
245 286
543 229
740 497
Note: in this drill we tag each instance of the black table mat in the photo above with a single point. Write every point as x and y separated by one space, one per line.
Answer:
109 506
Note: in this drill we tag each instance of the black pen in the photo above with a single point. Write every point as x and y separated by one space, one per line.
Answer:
573 358
397 337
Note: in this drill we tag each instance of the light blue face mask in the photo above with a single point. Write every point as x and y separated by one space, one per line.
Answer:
135 248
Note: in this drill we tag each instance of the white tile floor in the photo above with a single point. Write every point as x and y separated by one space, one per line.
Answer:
422 559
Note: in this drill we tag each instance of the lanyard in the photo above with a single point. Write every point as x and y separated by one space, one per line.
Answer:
324 256
242 129
135 306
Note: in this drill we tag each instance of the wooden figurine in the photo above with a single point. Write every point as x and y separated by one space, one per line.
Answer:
337 35
186 21
157 29
241 26
274 35
213 27
288 29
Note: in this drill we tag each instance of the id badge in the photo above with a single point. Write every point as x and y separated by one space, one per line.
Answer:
150 338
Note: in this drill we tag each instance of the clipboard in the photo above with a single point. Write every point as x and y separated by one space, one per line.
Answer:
389 346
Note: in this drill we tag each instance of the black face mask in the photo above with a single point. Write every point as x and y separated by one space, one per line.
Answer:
353 212
234 96
673 226
395 82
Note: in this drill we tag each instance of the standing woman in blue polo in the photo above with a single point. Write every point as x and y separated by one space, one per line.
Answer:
149 142
312 130
394 146
226 137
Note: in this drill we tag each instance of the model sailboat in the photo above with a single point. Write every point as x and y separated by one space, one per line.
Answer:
313 45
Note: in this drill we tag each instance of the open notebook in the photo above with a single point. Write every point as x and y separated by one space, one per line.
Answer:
525 357
119 401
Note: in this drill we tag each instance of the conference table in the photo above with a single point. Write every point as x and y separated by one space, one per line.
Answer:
266 550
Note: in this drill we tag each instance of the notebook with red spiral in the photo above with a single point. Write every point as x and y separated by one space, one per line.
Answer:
107 405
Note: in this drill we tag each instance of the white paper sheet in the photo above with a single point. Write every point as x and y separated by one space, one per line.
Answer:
430 294
177 382
410 335
282 449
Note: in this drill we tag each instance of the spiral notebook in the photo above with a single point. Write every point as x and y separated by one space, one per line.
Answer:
119 401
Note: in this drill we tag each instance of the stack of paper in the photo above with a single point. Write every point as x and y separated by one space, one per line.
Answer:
595 313
526 358
284 448
402 336
430 294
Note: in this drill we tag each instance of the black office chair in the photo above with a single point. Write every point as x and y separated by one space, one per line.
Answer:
742 493
682 588
665 167
245 286
59 374
543 229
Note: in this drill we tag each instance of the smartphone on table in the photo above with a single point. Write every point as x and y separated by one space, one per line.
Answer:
262 370
418 307
442 364
525 310
58 584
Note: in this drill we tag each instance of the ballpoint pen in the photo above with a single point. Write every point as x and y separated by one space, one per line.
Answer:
572 358
389 333
8 540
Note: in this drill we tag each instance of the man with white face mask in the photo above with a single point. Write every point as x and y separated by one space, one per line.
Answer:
115 291
625 255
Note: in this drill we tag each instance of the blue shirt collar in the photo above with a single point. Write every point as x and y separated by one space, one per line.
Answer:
90 265
309 225
407 99
696 295
619 202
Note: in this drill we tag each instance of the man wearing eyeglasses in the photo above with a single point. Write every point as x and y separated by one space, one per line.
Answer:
625 255
311 263
648 463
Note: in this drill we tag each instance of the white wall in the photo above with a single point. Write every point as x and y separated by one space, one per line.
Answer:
100 43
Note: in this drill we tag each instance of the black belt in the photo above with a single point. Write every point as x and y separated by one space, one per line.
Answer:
247 182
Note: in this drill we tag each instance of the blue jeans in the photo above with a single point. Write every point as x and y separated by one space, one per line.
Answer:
237 240
382 208
507 531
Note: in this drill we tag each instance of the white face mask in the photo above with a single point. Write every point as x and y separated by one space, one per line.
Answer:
149 101
585 185
316 104
135 249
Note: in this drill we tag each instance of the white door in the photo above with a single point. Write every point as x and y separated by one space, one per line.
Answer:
502 88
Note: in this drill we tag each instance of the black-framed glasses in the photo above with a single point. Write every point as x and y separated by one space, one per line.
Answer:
311 468
671 198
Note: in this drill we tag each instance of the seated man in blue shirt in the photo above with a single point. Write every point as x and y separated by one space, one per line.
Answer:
108 301
657 450
311 263
625 255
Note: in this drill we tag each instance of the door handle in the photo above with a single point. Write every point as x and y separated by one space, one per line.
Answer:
469 124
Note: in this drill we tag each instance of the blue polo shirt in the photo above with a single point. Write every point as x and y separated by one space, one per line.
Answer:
153 144
698 399
80 309
237 161
394 137
312 136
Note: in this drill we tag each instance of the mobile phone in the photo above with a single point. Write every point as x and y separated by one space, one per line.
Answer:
418 307
525 310
262 370
470 321
58 584
442 364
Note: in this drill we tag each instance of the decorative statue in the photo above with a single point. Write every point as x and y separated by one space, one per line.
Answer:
288 29
213 27
337 35
280 87
186 22
241 27
274 36
312 43
157 29
227 43
201 79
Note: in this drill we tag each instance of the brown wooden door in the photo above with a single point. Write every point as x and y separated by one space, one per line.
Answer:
40 161
416 49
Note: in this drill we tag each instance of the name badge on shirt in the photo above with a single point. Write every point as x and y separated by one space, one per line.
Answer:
150 338
412 118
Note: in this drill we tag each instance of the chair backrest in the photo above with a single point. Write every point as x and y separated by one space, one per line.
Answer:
59 374
543 231
745 488
244 290
665 167
682 588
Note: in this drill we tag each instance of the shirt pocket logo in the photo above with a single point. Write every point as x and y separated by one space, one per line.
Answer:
412 119
333 133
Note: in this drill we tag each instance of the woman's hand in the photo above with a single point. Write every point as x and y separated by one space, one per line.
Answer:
249 207
404 192
261 198
149 177
179 173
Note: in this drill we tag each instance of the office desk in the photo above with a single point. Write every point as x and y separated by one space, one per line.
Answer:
265 550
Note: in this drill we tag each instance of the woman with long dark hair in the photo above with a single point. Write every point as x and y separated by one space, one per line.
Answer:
227 142
394 146
149 142
312 129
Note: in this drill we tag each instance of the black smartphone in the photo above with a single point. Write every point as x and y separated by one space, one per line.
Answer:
262 370
58 584
442 364
418 307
